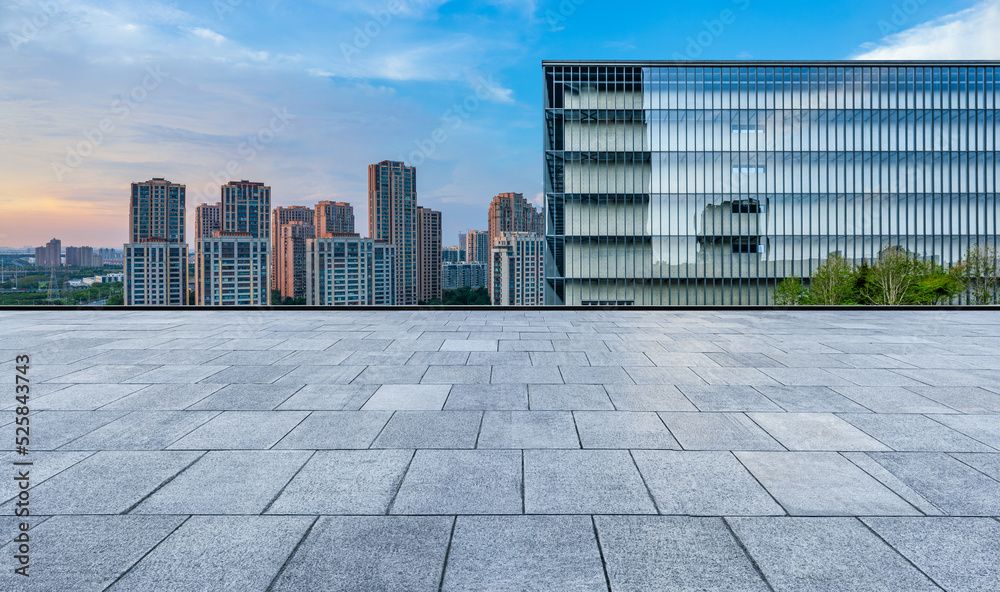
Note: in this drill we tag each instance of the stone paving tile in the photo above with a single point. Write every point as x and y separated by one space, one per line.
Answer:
957 553
883 476
249 374
334 397
822 484
336 430
250 343
594 375
356 345
350 482
892 399
314 342
177 374
85 553
415 345
664 376
741 360
674 553
527 553
728 398
526 375
908 432
218 553
461 482
806 377
253 358
239 430
226 482
988 464
617 358
430 429
648 398
809 399
389 375
81 397
559 359
142 430
345 553
436 358
323 375
378 359
528 429
163 397
528 345
965 399
46 465
815 431
457 375
497 397
100 374
107 482
504 358
825 554
681 359
583 482
735 376
874 377
315 358
52 429
247 397
984 428
566 397
950 377
948 483
623 430
423 397
470 345
703 484
52 372
718 431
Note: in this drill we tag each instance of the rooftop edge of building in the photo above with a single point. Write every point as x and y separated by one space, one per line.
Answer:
772 63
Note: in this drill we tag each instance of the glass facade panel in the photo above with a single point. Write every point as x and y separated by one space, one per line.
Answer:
669 183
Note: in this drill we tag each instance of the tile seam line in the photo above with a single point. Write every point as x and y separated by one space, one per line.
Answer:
287 483
649 492
900 553
746 553
894 492
447 553
291 555
600 551
91 453
952 455
307 415
928 416
399 486
146 554
759 482
164 483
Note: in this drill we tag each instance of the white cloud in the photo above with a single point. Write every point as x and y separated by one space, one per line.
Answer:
967 35
207 34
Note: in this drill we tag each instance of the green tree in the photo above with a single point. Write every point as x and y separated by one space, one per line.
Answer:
980 268
790 292
900 277
832 283
116 300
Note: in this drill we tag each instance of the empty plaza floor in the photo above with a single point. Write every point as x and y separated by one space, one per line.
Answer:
504 450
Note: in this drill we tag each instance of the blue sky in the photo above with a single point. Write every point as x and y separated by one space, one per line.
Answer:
304 95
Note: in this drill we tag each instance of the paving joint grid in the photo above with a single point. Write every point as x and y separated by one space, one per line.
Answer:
576 427
893 483
164 484
644 484
969 436
146 554
952 454
291 555
398 485
305 417
898 552
600 550
769 492
479 431
36 484
746 552
285 486
447 552
391 415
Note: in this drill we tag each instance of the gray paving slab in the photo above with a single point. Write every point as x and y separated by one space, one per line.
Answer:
815 431
806 377
527 553
142 430
624 430
528 429
169 357
430 429
315 358
680 359
528 345
107 482
965 399
984 428
826 554
44 465
497 397
822 484
810 399
376 553
253 358
98 374
356 345
617 358
336 430
320 374
718 431
885 477
82 397
246 397
163 397
469 345
349 482
85 553
645 397
949 377
52 429
908 432
227 482
664 375
728 398
957 553
377 358
948 483
583 482
892 399
568 397
407 397
703 484
266 374
436 358
526 375
594 375
674 553
218 553
735 376
875 377
334 397
988 464
391 375
560 358
177 374
457 375
461 482
235 430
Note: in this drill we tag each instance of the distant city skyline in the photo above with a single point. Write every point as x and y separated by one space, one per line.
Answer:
105 93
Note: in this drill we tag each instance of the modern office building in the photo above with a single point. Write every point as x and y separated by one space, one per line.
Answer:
462 275
517 277
710 182
289 254
50 255
156 272
334 217
279 216
392 218
233 266
478 247
510 212
82 257
207 220
428 254
350 271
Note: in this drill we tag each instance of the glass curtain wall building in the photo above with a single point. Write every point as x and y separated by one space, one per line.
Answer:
674 183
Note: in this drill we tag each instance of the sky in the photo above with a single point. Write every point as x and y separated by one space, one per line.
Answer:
304 95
